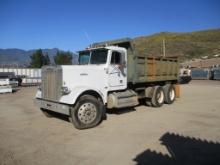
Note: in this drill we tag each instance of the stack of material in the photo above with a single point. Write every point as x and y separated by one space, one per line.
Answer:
6 85
24 76
5 89
201 74
216 73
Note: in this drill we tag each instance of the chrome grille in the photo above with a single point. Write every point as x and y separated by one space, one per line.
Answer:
51 82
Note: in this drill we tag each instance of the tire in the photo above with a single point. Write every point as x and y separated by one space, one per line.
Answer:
170 93
87 112
148 102
19 81
46 113
158 97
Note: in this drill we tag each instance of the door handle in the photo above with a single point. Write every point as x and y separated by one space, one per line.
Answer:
83 74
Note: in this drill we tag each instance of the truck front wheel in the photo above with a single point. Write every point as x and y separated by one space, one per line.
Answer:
87 112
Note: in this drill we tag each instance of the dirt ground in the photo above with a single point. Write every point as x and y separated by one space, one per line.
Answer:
187 132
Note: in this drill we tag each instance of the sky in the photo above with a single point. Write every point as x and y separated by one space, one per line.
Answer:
74 24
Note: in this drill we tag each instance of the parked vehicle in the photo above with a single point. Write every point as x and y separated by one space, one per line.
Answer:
184 76
109 75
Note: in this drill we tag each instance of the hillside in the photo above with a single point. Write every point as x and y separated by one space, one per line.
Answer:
188 45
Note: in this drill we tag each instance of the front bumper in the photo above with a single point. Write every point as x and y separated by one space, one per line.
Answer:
52 106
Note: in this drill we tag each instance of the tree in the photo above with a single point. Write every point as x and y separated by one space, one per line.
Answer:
46 60
63 58
38 59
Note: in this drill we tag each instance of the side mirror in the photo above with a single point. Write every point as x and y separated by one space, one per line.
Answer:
124 64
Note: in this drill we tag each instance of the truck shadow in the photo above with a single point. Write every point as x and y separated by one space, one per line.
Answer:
120 111
183 151
63 117
57 115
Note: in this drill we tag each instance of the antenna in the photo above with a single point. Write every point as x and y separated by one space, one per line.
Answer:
87 36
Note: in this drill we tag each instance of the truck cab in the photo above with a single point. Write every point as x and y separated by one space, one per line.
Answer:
112 60
99 72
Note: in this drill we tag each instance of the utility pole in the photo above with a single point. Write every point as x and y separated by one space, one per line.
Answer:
164 48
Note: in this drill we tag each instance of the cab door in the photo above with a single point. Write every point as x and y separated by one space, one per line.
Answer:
117 70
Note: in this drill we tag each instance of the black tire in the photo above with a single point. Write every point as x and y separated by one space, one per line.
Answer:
148 102
87 112
19 81
157 99
46 113
170 93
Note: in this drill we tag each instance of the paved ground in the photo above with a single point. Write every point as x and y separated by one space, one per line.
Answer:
186 132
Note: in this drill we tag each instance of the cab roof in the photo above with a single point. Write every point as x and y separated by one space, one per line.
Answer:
103 47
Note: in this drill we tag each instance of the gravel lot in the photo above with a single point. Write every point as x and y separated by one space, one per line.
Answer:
187 132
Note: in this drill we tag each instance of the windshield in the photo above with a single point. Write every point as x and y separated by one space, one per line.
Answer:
84 58
98 56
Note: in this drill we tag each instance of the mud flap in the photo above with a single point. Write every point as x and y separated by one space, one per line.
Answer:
177 89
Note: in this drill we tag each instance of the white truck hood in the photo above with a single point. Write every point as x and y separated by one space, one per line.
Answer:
84 75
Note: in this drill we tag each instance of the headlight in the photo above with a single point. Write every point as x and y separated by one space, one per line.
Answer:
65 90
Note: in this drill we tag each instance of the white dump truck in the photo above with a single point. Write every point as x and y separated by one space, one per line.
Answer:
109 75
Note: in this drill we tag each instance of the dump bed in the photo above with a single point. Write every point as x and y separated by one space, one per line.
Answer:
143 68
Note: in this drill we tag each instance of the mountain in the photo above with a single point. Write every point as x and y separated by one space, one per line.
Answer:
13 55
187 45
22 57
